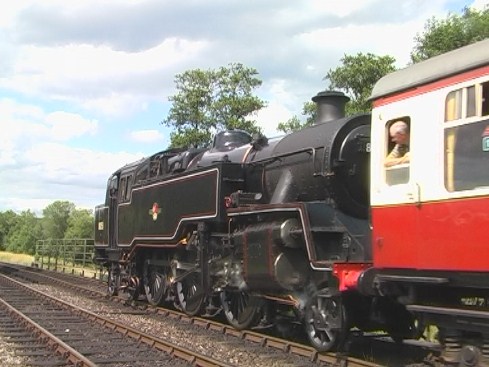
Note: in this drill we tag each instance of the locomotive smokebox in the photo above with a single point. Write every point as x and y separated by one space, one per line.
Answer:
330 106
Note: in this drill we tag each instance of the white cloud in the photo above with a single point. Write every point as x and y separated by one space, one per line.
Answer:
62 164
53 171
358 38
98 61
146 136
480 4
269 118
282 104
37 166
340 8
65 126
28 124
10 10
96 76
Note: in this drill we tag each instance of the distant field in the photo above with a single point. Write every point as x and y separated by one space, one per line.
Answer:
10 257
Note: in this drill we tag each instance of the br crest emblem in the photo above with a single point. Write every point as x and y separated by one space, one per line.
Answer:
154 211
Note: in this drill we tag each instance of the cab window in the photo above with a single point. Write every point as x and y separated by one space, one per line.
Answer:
397 155
122 191
142 174
125 188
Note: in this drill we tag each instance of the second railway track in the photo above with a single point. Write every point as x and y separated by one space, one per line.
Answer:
82 338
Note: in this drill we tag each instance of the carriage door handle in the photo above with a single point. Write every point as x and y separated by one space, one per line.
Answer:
414 195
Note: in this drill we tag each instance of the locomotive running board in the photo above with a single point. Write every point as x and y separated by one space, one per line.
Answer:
448 311
406 278
453 318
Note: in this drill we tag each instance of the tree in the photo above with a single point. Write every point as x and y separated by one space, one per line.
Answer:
8 220
55 219
443 35
357 76
80 224
212 100
23 236
295 123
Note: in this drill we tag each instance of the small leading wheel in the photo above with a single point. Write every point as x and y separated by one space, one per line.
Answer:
240 308
322 318
190 294
155 284
113 282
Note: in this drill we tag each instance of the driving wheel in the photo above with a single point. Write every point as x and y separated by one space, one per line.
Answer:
155 283
190 294
240 308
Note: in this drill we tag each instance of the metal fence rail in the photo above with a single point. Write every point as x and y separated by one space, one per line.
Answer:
67 255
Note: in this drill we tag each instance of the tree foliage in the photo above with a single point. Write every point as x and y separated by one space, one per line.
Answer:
211 100
55 218
295 123
22 237
456 30
8 221
357 76
80 224
62 220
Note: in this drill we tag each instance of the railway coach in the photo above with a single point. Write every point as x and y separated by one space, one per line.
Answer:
430 215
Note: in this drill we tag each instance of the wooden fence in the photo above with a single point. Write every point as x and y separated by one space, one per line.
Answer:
73 255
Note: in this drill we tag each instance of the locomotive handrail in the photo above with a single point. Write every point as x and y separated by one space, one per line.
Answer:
310 150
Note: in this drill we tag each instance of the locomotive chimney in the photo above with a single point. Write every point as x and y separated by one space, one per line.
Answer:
330 106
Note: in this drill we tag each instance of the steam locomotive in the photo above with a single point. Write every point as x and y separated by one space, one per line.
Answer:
313 228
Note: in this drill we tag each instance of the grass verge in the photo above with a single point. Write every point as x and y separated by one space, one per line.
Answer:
10 257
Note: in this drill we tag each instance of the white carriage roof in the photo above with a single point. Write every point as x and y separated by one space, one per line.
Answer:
435 68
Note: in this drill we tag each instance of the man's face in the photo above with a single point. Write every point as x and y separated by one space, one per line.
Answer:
399 138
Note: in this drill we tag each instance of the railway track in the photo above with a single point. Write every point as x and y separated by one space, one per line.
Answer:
275 347
60 333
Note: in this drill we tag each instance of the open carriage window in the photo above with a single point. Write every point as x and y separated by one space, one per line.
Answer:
397 158
466 139
467 102
485 99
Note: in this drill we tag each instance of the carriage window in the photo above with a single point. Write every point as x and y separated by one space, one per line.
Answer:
467 156
467 102
453 105
485 99
467 142
397 158
471 102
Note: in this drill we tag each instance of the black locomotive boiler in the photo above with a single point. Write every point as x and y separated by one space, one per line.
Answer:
263 231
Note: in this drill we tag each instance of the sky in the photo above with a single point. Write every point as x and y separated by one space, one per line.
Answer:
84 85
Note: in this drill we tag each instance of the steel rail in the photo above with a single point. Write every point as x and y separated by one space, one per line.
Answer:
194 358
57 345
